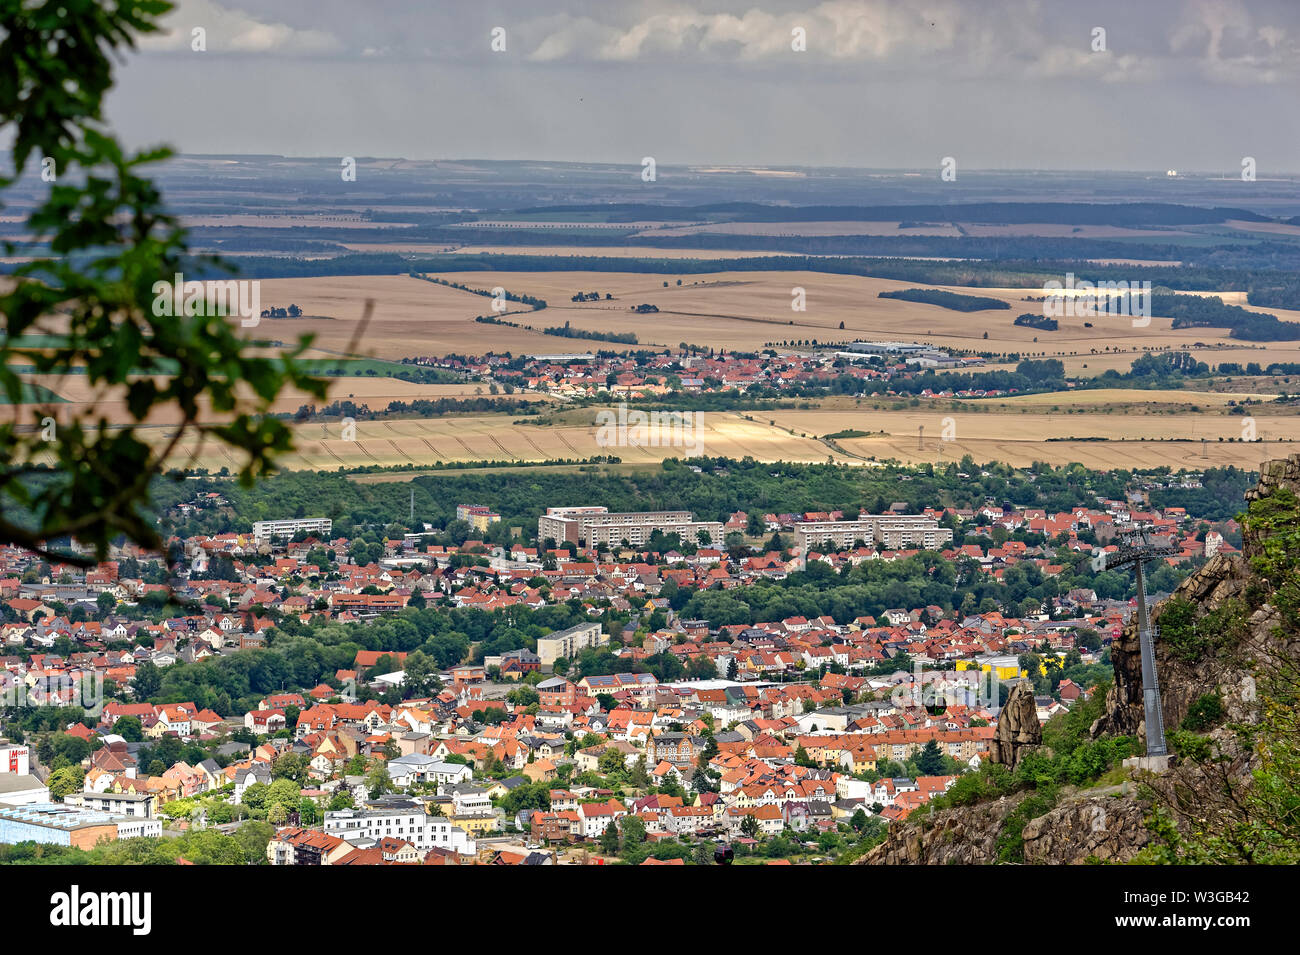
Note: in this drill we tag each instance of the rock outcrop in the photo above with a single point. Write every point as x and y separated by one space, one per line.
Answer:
1225 577
1111 825
1018 727
1182 682
1099 828
967 835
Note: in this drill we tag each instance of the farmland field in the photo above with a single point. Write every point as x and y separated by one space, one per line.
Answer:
734 310
1188 440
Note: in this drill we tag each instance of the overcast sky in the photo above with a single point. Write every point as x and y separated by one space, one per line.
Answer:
997 84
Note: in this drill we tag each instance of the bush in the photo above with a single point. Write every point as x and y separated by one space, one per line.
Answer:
1191 638
1093 759
1205 713
990 781
1190 746
1011 841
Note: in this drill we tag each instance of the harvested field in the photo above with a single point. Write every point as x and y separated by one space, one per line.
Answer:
496 438
376 393
1017 438
735 310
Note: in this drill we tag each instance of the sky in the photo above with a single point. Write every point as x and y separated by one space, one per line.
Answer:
995 84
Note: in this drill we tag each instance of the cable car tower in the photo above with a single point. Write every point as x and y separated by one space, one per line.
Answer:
1137 546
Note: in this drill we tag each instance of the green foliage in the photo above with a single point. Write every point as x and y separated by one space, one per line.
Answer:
951 300
989 781
1191 637
1064 732
247 846
1010 846
609 840
93 305
1069 756
1259 822
65 781
1275 522
1190 746
1254 820
930 761
527 796
1205 713
129 728
1093 759
869 836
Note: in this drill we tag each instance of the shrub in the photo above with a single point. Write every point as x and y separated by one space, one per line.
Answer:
1205 713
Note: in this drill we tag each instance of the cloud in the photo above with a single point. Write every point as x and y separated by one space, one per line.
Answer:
1222 39
836 29
229 30
1216 39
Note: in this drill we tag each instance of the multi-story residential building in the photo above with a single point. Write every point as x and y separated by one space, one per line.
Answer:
476 516
471 808
567 643
294 846
678 749
418 768
263 531
590 526
398 820
891 531
138 805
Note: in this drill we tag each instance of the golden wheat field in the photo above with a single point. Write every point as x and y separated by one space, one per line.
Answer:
1126 440
410 317
742 310
431 442
733 310
1169 438
376 393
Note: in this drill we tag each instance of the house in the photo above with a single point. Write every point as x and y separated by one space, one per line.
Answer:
405 771
295 846
264 722
595 817
250 776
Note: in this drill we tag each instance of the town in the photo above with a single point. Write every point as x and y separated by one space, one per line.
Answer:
580 694
788 367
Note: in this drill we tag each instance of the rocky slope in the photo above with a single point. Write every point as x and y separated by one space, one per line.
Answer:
1237 636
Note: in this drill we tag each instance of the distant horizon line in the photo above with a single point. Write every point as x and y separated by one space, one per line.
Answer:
723 167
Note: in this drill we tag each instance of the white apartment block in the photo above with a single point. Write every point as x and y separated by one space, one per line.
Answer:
590 526
411 823
265 530
890 531
567 643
